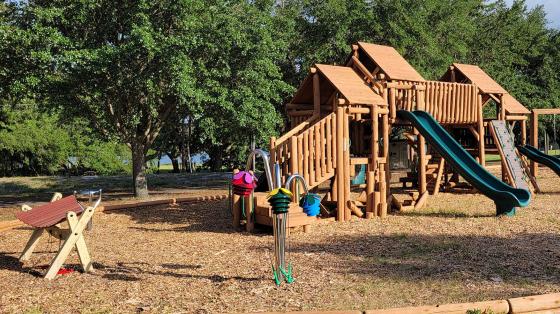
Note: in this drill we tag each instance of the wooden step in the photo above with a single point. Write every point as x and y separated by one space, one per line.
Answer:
432 166
407 208
408 203
414 195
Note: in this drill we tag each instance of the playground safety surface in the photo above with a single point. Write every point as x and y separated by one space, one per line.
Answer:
188 258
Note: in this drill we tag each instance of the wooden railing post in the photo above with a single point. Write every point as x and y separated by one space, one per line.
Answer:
419 94
392 103
294 157
272 159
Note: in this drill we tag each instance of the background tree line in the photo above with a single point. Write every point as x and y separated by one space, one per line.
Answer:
115 83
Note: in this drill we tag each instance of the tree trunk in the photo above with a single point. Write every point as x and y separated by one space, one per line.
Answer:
216 159
175 164
139 179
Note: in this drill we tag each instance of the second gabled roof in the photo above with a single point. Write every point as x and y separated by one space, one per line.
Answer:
391 62
487 85
479 78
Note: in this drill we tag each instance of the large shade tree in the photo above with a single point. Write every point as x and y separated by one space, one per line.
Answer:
125 65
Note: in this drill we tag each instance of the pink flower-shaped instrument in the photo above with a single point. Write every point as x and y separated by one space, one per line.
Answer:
243 183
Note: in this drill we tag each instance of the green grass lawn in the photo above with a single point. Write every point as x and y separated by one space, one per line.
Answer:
492 158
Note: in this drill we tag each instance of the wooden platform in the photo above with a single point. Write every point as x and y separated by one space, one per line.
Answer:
297 218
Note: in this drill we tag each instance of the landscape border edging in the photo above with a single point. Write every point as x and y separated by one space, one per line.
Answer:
12 224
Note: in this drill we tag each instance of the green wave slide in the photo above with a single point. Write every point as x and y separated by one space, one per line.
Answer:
540 157
504 196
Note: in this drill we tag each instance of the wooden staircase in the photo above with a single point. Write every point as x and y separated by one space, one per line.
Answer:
435 166
309 150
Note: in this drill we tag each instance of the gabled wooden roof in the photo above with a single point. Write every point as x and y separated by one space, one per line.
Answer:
350 85
511 105
479 78
487 85
337 78
391 62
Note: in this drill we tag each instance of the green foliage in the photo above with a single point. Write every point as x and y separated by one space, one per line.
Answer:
239 77
91 153
32 143
132 71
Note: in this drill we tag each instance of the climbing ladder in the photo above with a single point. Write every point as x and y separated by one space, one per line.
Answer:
516 170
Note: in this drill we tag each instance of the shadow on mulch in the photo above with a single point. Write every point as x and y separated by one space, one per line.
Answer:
11 263
134 271
442 214
211 216
521 259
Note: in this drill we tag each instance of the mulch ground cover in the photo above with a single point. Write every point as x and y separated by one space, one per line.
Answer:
189 259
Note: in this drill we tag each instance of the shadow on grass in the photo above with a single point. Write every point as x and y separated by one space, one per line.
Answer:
39 189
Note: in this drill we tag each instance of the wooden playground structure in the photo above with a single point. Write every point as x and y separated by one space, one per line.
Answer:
343 117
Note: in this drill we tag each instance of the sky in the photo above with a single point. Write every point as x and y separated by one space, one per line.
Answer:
551 7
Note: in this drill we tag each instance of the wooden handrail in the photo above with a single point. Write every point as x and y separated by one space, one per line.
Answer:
295 130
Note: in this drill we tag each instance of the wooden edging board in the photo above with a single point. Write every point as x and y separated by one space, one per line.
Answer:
12 224
537 304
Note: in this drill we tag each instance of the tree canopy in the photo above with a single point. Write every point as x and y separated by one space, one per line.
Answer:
133 72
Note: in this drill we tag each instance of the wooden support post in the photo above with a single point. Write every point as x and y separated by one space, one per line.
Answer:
236 211
74 239
329 148
481 144
534 140
317 146
502 112
437 184
334 189
385 176
452 72
249 203
346 147
272 158
383 193
422 164
31 244
374 146
341 200
316 94
370 194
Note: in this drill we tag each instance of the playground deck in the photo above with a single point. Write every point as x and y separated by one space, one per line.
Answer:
189 259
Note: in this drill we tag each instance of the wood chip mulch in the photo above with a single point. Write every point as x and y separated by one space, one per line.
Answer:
189 259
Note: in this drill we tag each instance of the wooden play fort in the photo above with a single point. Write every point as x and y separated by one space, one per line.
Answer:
344 125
